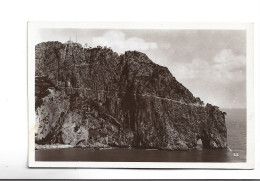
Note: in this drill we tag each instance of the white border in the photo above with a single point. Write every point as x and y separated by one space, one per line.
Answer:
33 26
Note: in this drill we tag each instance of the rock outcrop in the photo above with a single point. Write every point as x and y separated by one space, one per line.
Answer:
93 97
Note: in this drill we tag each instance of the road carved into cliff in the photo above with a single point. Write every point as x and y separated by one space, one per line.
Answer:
143 95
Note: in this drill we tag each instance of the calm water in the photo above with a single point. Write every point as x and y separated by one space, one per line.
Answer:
236 125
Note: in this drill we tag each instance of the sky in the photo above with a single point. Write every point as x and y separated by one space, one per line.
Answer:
210 63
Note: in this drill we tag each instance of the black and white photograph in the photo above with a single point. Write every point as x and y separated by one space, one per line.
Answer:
139 94
130 90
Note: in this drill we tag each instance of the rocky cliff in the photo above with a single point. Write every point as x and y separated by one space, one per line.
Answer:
93 97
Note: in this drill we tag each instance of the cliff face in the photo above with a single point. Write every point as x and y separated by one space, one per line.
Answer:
92 97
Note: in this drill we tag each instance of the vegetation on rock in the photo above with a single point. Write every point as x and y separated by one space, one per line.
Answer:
93 97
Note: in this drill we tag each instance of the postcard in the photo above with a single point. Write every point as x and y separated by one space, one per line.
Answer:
141 95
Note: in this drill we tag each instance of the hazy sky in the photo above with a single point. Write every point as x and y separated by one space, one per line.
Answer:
210 63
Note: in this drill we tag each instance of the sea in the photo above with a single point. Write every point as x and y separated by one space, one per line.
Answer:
236 151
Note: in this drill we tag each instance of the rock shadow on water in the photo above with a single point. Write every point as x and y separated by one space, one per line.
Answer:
134 155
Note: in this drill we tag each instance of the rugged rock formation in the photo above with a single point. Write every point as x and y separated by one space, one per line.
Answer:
93 97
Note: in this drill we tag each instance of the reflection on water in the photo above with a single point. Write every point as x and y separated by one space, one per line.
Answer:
135 155
236 126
